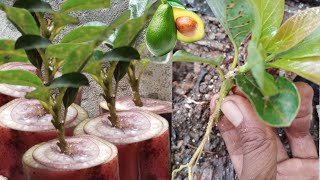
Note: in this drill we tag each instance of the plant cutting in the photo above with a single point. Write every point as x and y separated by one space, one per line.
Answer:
50 111
290 46
142 137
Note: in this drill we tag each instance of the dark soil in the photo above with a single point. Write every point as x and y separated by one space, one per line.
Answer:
193 87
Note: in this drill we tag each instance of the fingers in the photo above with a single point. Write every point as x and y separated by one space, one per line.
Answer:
299 168
300 139
233 143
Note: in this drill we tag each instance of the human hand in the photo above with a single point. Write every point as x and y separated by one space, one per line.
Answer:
255 148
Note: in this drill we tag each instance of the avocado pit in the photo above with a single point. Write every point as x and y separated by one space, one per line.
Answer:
186 25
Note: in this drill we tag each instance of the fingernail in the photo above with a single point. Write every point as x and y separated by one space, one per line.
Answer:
232 112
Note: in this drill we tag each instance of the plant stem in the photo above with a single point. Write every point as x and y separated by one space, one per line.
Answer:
134 84
235 59
110 97
225 88
59 122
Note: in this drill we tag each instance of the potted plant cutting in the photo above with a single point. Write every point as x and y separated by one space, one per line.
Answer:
28 122
291 46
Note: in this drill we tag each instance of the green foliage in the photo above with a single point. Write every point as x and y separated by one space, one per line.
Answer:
184 56
29 42
306 48
235 16
294 30
22 20
33 5
41 94
94 65
121 70
20 77
9 54
63 19
73 80
70 96
138 7
308 68
277 110
76 5
84 34
268 16
175 3
125 54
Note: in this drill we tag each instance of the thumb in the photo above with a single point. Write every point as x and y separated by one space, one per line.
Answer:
258 141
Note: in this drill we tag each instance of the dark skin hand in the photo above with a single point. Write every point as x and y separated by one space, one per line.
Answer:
255 148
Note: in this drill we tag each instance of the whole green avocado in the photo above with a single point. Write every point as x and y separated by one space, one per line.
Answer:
161 36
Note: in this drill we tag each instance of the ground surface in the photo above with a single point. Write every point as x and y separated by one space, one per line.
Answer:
193 87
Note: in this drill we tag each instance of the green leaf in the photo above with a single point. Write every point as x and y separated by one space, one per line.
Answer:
77 58
121 70
235 16
307 48
29 42
264 80
9 54
41 94
72 80
62 51
70 96
22 20
122 54
277 111
33 5
94 65
62 19
20 77
308 68
175 3
76 5
138 7
184 56
35 58
268 18
129 31
83 34
294 30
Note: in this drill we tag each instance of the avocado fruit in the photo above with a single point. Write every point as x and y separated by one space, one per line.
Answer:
161 35
189 25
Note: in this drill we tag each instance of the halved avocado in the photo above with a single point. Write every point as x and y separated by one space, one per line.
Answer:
189 25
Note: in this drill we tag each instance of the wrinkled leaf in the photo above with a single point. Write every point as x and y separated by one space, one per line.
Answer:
129 31
70 96
308 68
77 58
294 30
278 110
62 51
9 54
29 42
62 19
175 3
33 5
264 80
121 70
41 94
22 20
138 7
268 18
235 16
309 47
94 65
122 54
20 77
184 56
76 5
72 80
83 34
